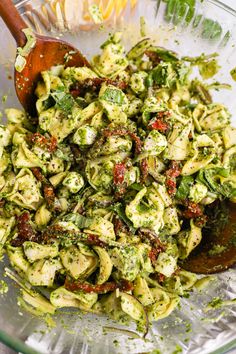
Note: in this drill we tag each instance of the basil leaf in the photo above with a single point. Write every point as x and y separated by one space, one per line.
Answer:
164 74
79 220
114 96
49 102
227 190
184 187
64 101
119 209
136 186
209 177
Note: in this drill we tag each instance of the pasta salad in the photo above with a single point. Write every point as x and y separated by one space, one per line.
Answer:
104 192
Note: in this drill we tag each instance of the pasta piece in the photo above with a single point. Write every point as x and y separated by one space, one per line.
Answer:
105 265
77 263
188 240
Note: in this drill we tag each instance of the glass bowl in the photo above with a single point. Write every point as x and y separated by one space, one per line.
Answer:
208 26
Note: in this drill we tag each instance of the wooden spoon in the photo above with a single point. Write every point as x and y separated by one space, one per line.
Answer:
46 53
217 250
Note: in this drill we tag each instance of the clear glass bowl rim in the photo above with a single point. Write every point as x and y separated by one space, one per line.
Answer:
18 345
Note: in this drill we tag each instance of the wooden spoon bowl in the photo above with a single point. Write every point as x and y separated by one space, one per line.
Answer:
217 250
46 53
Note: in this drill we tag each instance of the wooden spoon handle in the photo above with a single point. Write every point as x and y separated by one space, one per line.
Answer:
13 20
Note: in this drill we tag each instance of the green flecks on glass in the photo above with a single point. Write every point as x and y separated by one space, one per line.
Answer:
233 73
96 14
197 20
180 10
225 39
177 350
3 287
183 11
4 98
143 29
209 69
211 29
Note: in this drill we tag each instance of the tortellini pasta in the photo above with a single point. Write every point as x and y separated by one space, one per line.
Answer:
79 262
203 150
150 216
23 190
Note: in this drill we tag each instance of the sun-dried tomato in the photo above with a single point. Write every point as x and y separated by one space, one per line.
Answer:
153 56
153 254
160 278
38 138
51 198
137 141
49 194
159 125
75 92
193 210
174 169
49 143
119 226
38 174
94 84
119 173
118 179
48 190
93 240
144 170
124 285
52 146
171 185
152 237
171 174
25 230
90 288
